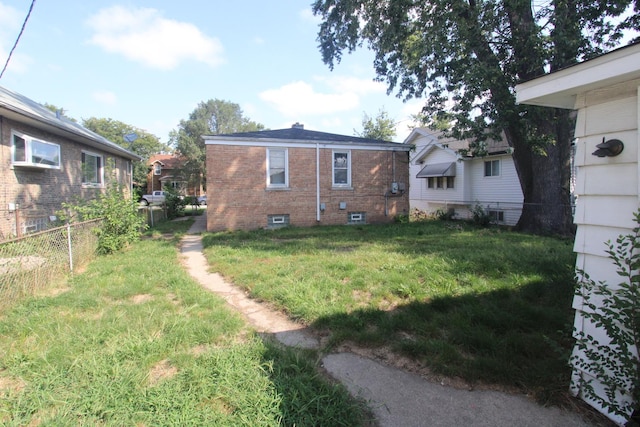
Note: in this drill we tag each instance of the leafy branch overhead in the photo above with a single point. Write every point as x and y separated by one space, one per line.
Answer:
465 58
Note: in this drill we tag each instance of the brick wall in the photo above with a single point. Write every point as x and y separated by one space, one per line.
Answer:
39 193
239 198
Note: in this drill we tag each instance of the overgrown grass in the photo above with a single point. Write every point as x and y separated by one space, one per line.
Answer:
134 341
487 305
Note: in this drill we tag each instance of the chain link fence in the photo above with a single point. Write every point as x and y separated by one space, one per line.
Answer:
30 263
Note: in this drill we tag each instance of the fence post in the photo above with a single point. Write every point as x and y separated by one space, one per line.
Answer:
69 247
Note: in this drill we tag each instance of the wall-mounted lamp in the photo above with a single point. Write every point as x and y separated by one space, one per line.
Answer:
610 148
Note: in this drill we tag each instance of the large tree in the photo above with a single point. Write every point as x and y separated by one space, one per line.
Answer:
381 127
465 58
131 138
213 117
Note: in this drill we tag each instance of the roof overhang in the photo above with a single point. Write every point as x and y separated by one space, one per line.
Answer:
437 169
561 88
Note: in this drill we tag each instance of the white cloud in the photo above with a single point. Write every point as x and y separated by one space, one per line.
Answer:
300 98
352 84
143 35
105 97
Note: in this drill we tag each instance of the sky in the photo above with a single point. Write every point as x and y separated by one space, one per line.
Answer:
150 63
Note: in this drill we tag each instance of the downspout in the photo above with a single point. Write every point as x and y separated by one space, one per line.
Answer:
317 182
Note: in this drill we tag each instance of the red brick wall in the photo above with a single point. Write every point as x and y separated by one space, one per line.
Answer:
238 197
41 192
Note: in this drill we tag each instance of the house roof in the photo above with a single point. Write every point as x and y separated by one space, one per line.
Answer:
24 110
561 88
168 161
298 135
436 139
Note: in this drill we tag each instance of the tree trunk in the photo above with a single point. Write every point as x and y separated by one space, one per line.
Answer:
545 178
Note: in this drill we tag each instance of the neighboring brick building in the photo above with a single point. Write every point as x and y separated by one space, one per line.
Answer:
164 172
297 177
47 159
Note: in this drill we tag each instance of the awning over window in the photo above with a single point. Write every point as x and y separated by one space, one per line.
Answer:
438 169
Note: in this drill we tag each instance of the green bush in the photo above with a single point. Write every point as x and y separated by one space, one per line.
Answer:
121 223
175 204
616 311
480 216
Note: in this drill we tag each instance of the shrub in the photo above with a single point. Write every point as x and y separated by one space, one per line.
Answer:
121 223
480 216
175 204
616 311
445 214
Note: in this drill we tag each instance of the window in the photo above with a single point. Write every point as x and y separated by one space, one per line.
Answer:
357 218
92 170
157 169
492 168
277 167
277 221
27 151
341 169
430 182
451 181
439 182
496 216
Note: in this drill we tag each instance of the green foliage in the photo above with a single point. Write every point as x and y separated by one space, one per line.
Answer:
465 59
382 127
615 310
212 117
480 216
121 223
174 203
445 214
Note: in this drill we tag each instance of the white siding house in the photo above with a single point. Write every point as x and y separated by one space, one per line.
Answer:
443 178
604 91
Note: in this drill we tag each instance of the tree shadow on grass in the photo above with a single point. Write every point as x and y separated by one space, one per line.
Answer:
517 339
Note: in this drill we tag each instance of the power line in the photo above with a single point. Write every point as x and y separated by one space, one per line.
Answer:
24 24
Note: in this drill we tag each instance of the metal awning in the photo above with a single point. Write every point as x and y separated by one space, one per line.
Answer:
438 169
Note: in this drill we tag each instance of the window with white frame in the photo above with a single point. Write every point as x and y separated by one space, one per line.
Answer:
277 167
92 169
357 218
28 151
157 169
342 169
492 168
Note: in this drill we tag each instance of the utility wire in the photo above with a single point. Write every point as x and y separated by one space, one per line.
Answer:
24 24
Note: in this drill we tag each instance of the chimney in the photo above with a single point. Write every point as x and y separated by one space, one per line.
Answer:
297 125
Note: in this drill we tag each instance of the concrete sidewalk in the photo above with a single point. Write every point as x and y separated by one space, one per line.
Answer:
395 397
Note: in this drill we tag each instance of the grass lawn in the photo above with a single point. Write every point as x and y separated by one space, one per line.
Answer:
133 340
486 305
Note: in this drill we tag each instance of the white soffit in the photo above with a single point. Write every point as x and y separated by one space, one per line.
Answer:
560 89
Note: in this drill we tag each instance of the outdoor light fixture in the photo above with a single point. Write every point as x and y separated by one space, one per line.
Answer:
610 148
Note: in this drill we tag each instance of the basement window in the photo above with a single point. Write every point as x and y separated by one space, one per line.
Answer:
277 221
496 216
357 218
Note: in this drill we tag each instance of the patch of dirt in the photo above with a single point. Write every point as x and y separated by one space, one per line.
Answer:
10 383
173 298
53 292
161 371
20 263
141 298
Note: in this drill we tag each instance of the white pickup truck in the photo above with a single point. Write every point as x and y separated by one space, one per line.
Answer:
155 198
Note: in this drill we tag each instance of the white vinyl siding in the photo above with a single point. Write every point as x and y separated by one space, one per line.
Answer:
607 189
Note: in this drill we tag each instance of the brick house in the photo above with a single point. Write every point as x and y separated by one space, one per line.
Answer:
47 159
298 177
163 172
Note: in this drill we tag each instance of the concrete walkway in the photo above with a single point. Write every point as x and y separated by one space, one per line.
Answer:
395 397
